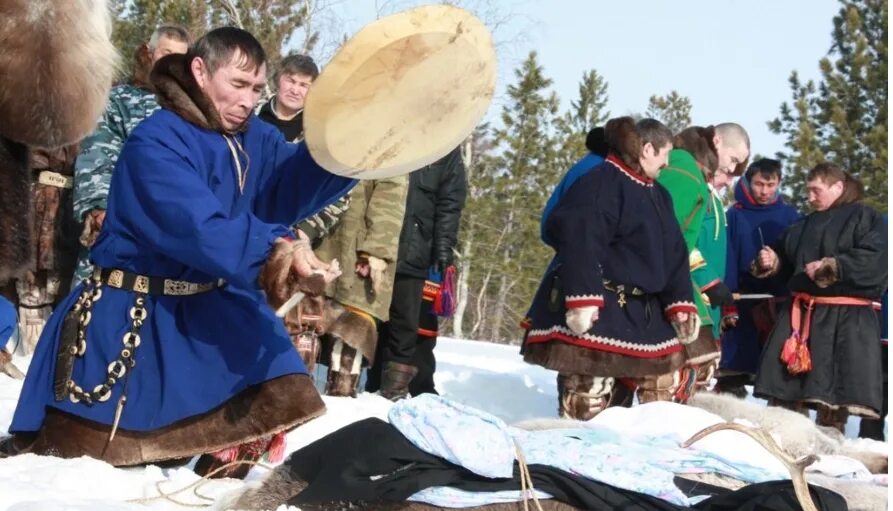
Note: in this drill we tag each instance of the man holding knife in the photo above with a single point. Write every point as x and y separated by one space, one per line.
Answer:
757 218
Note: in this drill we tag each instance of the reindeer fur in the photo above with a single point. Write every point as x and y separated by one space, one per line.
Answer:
798 435
57 66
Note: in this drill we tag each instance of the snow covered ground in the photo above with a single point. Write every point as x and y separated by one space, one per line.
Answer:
483 375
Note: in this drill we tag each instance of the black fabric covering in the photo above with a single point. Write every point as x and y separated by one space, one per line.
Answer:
370 461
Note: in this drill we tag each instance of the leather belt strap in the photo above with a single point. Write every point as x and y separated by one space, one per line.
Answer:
120 279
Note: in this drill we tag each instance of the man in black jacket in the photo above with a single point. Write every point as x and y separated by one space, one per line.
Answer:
430 228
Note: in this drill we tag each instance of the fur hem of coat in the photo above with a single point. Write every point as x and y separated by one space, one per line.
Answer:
569 359
261 410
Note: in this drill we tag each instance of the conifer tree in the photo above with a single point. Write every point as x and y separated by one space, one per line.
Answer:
273 22
523 174
588 111
674 110
843 118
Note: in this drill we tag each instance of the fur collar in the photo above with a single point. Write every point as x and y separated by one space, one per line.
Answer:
853 191
178 91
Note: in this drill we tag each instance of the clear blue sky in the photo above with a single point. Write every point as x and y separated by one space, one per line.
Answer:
731 57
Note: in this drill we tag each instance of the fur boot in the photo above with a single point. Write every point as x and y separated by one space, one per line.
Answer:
658 388
831 417
344 370
211 465
583 397
395 378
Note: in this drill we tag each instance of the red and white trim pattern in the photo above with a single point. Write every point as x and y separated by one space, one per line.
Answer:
712 283
577 301
675 307
628 172
564 334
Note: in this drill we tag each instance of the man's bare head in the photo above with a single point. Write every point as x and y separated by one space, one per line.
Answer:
732 146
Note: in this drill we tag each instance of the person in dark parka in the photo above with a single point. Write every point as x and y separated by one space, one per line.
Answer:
824 349
430 230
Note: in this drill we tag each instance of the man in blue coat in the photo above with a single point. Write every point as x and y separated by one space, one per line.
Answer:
757 218
171 349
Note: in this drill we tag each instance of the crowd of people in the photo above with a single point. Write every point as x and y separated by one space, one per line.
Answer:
168 238
196 214
657 289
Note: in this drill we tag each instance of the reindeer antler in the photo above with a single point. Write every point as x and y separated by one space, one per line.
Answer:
796 467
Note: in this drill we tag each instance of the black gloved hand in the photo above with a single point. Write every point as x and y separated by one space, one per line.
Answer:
719 295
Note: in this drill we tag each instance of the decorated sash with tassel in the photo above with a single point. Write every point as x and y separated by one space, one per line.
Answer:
445 301
795 352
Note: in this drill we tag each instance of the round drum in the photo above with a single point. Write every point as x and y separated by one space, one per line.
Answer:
402 93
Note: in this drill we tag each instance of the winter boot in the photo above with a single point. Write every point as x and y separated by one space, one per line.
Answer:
344 370
732 384
307 344
658 388
831 417
794 406
582 397
395 378
241 458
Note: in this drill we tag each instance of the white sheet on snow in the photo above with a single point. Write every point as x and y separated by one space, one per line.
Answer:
484 375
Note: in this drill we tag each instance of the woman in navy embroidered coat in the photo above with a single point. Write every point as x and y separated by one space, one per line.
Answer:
202 191
622 276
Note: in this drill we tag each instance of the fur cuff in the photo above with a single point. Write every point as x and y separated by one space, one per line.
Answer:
279 281
761 273
828 273
675 307
687 331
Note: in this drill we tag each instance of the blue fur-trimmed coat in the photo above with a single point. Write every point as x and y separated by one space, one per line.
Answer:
614 224
175 211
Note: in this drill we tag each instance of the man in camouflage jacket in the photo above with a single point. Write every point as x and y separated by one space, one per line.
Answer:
365 243
128 105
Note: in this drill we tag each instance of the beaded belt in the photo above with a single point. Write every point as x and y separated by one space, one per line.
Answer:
120 279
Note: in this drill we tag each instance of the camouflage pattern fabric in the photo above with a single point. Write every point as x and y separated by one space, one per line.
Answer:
321 224
371 226
128 105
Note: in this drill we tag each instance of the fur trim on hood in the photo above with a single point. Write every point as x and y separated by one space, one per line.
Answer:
853 191
177 90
